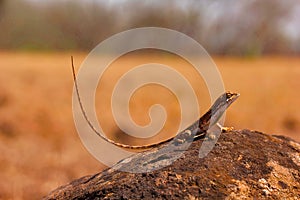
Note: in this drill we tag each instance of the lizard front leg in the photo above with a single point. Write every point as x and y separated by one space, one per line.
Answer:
225 129
212 132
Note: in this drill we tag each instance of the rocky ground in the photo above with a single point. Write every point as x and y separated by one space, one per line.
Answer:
243 164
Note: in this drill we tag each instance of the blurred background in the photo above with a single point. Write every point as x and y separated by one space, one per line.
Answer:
255 44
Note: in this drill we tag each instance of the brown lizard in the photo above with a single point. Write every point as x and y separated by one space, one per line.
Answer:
198 129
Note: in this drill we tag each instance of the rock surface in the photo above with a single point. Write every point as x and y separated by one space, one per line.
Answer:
243 164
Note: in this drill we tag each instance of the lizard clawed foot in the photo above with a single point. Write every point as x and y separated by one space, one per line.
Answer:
225 129
211 135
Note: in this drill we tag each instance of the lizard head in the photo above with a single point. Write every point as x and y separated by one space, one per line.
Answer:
221 104
231 97
225 100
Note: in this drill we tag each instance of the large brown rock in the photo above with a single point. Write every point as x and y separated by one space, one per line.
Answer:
243 164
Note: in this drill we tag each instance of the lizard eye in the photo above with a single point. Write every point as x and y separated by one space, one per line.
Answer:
228 95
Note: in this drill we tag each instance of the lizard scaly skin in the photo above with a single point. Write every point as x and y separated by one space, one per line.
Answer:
197 129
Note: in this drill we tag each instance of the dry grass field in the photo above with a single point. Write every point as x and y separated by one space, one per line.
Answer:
40 149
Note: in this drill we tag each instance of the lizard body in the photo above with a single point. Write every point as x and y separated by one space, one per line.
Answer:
197 129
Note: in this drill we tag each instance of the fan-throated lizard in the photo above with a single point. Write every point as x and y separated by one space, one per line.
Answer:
198 129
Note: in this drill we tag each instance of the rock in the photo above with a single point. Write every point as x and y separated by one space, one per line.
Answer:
243 164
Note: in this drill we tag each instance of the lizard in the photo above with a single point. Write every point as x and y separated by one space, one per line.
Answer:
198 129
